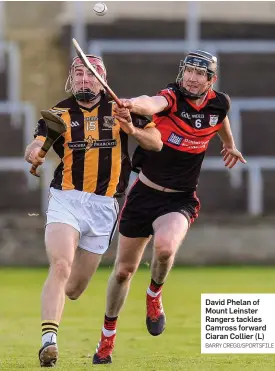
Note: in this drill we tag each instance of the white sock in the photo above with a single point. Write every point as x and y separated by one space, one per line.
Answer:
151 293
49 337
108 333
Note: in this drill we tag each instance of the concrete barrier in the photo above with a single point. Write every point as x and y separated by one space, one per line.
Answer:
228 241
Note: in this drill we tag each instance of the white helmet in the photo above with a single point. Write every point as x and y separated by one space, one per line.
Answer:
83 93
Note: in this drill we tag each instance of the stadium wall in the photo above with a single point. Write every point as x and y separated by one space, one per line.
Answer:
240 241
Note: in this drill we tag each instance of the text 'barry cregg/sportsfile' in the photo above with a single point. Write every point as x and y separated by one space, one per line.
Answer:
237 323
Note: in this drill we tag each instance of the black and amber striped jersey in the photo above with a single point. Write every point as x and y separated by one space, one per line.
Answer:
186 130
93 150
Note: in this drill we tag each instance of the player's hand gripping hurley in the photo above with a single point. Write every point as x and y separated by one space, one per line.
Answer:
56 126
90 67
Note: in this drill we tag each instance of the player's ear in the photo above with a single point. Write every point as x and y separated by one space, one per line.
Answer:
214 79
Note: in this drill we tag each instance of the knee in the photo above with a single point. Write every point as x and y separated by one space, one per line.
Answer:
72 293
61 269
164 254
75 288
164 248
124 273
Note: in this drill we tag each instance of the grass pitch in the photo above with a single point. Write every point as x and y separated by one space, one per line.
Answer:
178 348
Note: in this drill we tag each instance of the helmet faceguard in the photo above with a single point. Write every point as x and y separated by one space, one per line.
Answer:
201 62
81 82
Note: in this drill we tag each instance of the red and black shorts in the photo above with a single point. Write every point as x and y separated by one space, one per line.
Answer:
144 205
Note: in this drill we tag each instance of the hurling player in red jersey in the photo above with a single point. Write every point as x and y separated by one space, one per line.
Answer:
163 202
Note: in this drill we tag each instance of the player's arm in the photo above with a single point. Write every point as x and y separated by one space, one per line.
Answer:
145 105
148 138
230 152
226 135
142 130
32 150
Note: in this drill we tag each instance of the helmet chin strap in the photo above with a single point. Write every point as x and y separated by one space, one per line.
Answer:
86 95
192 96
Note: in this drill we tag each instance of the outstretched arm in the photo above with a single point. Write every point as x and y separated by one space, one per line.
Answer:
145 105
226 135
229 151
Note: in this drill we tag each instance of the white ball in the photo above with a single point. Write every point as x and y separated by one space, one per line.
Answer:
100 9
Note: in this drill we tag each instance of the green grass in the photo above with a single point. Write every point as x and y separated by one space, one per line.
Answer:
177 349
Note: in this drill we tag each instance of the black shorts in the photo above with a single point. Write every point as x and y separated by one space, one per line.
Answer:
144 205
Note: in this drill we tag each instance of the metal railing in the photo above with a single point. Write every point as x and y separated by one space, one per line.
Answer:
13 69
19 164
237 106
17 109
254 167
29 122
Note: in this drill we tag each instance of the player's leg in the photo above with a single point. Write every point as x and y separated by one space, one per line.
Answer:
98 220
170 230
84 266
135 229
129 254
61 241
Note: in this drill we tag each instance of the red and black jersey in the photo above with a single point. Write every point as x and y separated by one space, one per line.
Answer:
94 150
186 130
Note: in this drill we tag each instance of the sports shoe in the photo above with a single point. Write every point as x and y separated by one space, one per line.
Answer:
105 347
155 319
48 355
